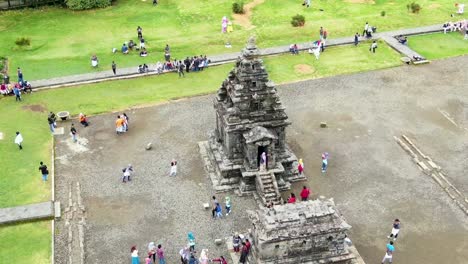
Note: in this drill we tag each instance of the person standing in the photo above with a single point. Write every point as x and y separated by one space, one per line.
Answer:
160 253
244 253
292 198
395 230
305 193
373 46
263 161
300 167
114 68
219 210
134 255
73 133
20 75
389 253
221 260
173 171
321 33
236 241
155 2
17 93
187 64
356 39
228 205
44 171
19 140
125 123
119 125
152 251
139 32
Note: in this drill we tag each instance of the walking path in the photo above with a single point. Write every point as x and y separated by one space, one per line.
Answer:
126 73
30 212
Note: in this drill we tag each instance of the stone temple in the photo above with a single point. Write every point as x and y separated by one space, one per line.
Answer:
310 232
250 120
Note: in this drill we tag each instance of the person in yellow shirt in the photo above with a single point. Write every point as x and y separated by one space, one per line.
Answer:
119 125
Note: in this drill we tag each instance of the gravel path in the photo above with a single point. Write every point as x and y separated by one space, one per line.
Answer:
371 178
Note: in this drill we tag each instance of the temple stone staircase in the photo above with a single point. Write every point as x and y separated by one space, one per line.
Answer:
267 187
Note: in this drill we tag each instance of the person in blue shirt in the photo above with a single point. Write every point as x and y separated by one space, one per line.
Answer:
389 253
124 49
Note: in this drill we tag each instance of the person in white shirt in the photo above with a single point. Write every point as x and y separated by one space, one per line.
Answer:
19 140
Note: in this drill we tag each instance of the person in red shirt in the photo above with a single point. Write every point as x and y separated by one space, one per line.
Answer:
305 193
221 260
292 198
248 245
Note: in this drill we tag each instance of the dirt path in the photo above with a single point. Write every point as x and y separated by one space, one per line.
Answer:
244 19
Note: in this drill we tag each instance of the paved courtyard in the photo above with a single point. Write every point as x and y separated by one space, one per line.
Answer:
370 177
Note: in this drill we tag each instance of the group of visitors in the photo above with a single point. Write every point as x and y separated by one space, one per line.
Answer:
16 89
390 248
243 246
217 209
305 193
194 64
121 124
461 26
188 255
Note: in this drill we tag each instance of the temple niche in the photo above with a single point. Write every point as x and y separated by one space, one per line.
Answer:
310 232
250 120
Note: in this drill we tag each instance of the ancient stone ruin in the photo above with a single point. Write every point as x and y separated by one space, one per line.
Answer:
308 232
250 120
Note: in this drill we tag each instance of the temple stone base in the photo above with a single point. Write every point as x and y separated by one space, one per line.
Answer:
309 232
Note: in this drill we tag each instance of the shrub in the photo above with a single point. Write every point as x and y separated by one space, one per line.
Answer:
23 41
298 20
87 4
238 8
382 13
415 7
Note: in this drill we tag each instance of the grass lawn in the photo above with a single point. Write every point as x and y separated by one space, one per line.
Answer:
439 45
26 243
62 41
21 181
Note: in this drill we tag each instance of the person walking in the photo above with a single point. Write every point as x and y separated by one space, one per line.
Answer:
127 172
160 253
114 68
119 125
191 240
19 140
180 69
51 120
44 171
173 168
389 253
184 255
152 251
228 205
305 193
221 260
213 207
373 46
321 33
193 260
324 162
366 28
395 230
17 93
73 133
356 39
219 211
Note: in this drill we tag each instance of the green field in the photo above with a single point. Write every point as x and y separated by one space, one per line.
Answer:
62 41
439 45
26 243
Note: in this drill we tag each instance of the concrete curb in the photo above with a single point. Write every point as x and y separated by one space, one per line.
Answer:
52 177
